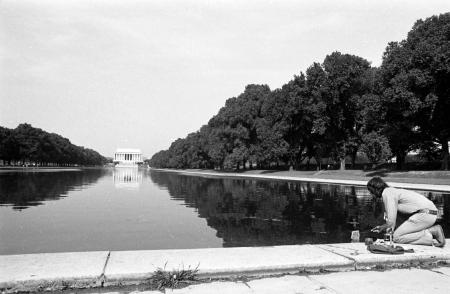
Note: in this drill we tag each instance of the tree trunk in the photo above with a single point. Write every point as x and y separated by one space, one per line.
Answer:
342 160
319 161
401 156
353 159
445 154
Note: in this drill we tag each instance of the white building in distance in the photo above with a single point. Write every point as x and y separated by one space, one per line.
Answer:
127 157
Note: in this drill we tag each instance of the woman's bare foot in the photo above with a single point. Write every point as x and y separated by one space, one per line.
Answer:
438 234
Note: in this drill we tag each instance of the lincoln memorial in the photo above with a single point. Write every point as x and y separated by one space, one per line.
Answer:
127 157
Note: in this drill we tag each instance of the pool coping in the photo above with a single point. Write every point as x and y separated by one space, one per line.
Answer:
56 271
428 187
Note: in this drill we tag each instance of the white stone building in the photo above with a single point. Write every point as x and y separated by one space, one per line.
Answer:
127 157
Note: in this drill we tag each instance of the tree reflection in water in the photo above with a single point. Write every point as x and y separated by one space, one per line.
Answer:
248 212
24 189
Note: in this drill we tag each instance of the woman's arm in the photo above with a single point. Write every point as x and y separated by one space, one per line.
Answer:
390 207
386 227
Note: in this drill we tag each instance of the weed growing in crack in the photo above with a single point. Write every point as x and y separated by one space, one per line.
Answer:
162 279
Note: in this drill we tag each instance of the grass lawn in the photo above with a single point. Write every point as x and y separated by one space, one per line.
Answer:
436 177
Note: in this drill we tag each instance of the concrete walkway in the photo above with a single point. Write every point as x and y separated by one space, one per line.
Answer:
407 281
35 272
318 179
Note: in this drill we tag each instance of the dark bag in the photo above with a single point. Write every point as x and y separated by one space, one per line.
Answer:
386 249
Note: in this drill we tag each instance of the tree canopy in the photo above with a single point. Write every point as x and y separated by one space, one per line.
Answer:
334 110
28 145
415 78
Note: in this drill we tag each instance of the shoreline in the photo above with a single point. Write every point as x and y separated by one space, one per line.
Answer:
354 178
43 169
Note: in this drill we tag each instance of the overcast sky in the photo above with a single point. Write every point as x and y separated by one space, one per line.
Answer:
140 74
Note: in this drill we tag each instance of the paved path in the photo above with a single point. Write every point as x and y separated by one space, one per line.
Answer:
407 281
94 269
318 179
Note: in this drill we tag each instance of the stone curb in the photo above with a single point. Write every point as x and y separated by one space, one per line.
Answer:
131 267
38 272
428 187
363 259
57 271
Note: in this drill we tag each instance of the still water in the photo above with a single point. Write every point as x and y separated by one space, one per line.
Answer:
130 209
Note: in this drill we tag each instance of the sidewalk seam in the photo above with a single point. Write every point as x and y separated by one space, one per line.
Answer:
342 255
102 278
438 272
322 285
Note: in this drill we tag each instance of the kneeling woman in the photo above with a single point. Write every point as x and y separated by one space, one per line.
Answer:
418 229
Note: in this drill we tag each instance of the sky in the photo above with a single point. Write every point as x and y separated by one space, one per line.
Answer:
140 74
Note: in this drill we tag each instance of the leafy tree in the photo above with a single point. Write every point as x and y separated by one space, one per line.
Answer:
234 136
160 159
8 145
29 144
402 106
333 110
271 147
291 119
298 119
376 147
344 87
429 69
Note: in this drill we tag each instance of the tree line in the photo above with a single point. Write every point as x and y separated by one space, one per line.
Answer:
335 109
26 145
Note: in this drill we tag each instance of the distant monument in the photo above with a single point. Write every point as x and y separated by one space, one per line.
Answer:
127 157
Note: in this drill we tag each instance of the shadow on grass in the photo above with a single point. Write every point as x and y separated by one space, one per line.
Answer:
270 171
243 171
377 173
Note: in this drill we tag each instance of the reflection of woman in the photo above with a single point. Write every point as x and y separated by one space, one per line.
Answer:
418 229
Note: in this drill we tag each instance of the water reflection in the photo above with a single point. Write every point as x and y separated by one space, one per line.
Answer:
169 210
249 212
24 189
127 177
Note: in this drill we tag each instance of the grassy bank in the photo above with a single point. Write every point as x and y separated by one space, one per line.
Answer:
436 177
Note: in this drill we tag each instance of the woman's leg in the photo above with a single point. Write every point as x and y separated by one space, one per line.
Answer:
414 230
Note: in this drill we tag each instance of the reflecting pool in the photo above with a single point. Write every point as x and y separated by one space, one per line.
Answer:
131 209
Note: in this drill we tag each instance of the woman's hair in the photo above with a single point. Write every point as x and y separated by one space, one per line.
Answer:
376 186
